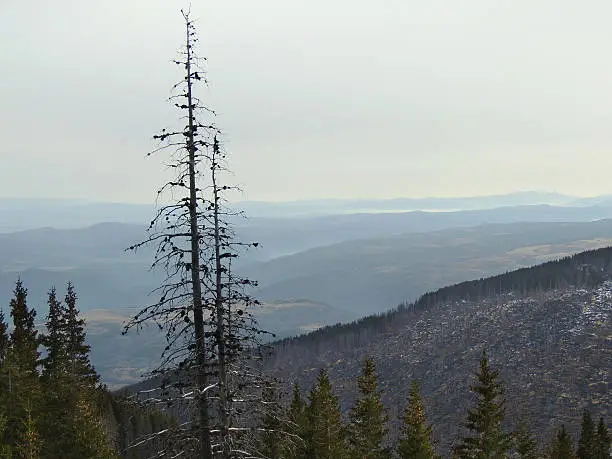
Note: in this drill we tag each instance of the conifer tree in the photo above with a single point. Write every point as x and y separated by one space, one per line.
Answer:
20 365
602 438
562 446
91 437
54 340
71 422
587 441
4 339
487 438
294 445
415 440
77 351
524 444
367 418
5 449
29 446
326 432
271 433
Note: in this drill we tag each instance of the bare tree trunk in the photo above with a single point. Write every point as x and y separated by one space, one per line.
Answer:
219 310
198 314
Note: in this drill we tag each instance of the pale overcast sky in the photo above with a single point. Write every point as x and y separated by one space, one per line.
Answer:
319 98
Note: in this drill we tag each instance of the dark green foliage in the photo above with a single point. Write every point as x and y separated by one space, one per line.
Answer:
325 435
586 443
4 339
602 438
24 338
487 438
366 429
524 444
562 446
415 440
22 396
77 350
271 436
54 340
295 445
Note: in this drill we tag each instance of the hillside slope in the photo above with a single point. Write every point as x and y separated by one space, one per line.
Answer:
548 329
371 275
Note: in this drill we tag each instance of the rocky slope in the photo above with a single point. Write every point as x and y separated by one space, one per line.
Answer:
553 346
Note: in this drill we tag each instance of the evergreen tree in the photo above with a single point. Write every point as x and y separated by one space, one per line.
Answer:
487 438
5 448
91 438
562 447
524 444
602 439
586 443
20 367
4 339
415 440
77 351
367 429
54 340
295 446
30 445
326 433
71 424
271 438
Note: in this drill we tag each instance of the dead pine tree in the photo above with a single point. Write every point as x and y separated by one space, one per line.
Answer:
206 371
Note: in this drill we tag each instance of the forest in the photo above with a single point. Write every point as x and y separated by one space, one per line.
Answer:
53 405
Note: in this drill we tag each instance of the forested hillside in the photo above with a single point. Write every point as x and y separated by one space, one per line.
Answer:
546 328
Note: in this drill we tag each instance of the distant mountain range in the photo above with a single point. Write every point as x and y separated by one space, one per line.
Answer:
17 214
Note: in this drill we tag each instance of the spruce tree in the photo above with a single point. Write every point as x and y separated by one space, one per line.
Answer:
367 426
487 438
77 350
22 358
602 439
29 445
587 442
295 443
72 422
326 432
524 444
270 439
4 338
415 440
54 340
562 447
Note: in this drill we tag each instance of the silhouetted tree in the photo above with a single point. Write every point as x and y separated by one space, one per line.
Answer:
203 307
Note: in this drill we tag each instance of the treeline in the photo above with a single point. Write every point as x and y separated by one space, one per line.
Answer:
585 269
52 404
314 428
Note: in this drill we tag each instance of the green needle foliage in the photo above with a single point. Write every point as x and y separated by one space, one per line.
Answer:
415 441
326 433
367 430
487 439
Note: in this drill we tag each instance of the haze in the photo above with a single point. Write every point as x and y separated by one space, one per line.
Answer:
318 98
